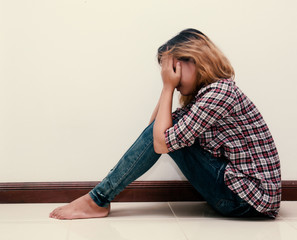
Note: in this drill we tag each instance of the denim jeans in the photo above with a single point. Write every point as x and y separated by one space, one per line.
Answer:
203 171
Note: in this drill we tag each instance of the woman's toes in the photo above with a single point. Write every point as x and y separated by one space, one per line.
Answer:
52 214
55 212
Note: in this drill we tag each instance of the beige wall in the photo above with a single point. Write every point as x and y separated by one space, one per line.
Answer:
79 79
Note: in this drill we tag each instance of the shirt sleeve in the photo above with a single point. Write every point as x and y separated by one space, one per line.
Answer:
178 113
216 103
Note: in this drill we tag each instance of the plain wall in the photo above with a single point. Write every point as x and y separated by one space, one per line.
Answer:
79 79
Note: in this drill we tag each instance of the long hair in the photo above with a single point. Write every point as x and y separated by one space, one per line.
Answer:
211 64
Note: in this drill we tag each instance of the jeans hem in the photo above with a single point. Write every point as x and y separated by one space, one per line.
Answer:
99 200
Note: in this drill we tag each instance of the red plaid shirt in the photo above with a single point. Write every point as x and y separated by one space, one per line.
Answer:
227 123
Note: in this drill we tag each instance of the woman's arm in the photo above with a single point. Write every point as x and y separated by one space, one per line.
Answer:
154 114
163 119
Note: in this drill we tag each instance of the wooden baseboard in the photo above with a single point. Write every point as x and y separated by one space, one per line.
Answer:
138 191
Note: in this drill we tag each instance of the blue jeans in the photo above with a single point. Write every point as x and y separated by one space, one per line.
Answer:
204 172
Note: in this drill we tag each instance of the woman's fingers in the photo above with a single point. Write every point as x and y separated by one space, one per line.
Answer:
178 69
170 75
170 62
165 61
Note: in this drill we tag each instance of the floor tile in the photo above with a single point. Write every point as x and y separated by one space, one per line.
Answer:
26 212
193 210
33 230
288 210
293 223
143 229
236 229
146 220
140 210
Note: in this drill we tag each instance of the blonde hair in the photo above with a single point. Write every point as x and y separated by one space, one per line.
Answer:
211 64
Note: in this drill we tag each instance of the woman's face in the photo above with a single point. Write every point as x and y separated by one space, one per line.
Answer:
187 84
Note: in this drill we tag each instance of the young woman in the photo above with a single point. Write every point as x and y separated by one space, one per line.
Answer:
217 138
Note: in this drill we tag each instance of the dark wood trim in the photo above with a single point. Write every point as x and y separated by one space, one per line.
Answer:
289 190
138 191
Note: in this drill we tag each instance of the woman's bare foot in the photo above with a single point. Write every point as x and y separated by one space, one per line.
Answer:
83 207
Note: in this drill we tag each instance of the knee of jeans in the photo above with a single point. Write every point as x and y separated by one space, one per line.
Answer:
149 129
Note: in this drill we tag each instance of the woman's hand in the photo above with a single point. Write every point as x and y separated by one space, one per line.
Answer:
163 121
171 78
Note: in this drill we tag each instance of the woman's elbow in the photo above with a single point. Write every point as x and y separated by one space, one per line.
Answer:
160 148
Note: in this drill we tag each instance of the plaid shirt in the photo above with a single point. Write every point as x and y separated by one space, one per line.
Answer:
226 123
